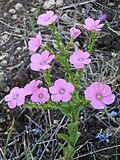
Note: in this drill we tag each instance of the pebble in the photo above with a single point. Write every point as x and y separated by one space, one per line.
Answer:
2 57
33 10
55 121
59 3
40 1
18 6
14 17
5 14
65 17
119 6
83 10
48 4
7 89
4 37
4 62
111 4
13 11
77 43
17 31
18 48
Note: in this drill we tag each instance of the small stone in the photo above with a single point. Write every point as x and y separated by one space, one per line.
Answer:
40 1
48 4
119 6
14 17
55 121
18 48
2 57
24 19
33 10
4 37
7 89
111 4
59 3
5 14
65 17
4 62
83 10
17 31
77 43
12 11
18 6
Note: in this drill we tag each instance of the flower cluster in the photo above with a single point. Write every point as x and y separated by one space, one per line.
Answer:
97 93
61 91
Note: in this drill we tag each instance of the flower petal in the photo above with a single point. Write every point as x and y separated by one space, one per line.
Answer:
69 87
97 104
8 97
35 67
45 55
85 55
50 58
60 83
20 100
53 90
108 99
12 104
86 61
36 58
90 93
66 97
56 98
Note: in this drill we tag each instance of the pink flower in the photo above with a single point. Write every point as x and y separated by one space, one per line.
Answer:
74 33
91 25
99 94
80 58
40 61
35 43
15 98
40 95
61 91
31 87
46 18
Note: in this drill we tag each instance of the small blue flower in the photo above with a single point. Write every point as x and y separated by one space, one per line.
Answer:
26 126
36 131
113 114
102 17
39 150
104 137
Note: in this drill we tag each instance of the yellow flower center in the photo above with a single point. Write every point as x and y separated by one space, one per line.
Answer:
99 97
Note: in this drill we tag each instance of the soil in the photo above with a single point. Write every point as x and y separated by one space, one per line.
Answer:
15 30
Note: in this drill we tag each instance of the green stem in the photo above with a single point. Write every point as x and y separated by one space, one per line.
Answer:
57 38
8 139
91 42
47 77
69 44
45 47
62 59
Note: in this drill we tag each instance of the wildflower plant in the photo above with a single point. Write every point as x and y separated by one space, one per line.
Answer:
63 93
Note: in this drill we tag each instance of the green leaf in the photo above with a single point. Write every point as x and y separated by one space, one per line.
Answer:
64 137
66 110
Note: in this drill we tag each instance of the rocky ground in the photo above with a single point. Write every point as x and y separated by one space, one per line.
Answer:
33 135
